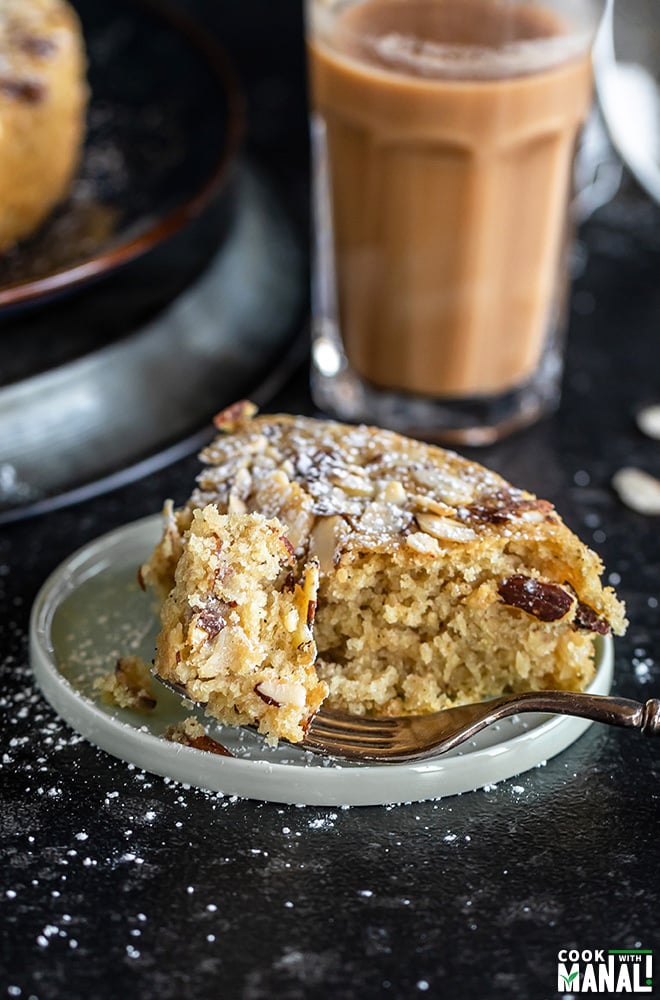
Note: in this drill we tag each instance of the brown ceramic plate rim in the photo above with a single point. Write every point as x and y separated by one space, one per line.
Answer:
174 221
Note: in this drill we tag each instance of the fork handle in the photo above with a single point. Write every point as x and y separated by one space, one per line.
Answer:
644 716
650 724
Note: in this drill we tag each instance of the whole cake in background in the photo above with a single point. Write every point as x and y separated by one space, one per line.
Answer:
316 560
43 100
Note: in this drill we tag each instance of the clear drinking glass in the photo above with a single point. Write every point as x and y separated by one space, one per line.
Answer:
443 136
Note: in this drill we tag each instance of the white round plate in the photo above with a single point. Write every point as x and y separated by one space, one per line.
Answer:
91 610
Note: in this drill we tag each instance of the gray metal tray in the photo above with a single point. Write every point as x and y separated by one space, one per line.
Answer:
137 404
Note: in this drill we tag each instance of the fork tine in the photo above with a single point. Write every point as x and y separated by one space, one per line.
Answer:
346 737
335 740
355 721
341 724
350 737
340 731
343 750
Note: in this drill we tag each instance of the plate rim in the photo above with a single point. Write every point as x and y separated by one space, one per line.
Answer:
166 226
303 785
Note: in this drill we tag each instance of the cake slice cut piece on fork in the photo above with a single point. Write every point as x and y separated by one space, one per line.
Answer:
237 625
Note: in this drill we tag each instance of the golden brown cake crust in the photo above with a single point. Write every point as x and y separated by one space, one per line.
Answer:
440 583
43 98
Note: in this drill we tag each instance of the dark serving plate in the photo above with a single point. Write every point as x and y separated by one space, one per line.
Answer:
164 125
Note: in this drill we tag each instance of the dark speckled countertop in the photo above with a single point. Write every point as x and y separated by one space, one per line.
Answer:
118 883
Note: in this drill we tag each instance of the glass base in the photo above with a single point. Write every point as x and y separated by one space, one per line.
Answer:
342 393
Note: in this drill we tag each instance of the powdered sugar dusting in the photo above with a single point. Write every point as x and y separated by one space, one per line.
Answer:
378 485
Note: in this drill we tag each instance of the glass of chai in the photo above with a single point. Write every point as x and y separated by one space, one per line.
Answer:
444 133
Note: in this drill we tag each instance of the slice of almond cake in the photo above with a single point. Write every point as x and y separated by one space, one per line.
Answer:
439 583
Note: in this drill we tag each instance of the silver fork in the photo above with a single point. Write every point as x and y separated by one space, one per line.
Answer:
403 738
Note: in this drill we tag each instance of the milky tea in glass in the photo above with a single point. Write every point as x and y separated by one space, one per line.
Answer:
444 133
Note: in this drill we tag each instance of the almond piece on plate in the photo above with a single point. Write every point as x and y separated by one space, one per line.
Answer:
638 490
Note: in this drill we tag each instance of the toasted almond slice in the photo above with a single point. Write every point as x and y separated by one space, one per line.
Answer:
430 506
444 528
420 542
325 540
533 516
233 416
282 693
236 505
393 492
446 487
356 486
380 519
242 483
306 596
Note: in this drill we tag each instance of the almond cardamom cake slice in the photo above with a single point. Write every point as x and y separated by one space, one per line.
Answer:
439 582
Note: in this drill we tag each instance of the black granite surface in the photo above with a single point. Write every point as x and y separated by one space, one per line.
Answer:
117 883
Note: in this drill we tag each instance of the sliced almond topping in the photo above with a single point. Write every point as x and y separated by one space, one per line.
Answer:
446 487
256 445
533 516
279 479
282 693
325 540
276 496
431 506
394 492
505 506
236 505
171 543
242 483
444 528
420 542
298 523
306 596
235 415
382 519
354 486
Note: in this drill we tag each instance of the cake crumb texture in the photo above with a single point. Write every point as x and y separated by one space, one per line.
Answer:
191 733
129 685
237 634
